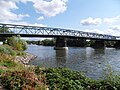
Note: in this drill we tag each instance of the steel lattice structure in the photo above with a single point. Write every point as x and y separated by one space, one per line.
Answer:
35 31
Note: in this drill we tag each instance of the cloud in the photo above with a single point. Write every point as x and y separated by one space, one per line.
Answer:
113 30
50 8
115 27
40 18
23 1
91 21
6 14
111 20
37 24
93 31
47 8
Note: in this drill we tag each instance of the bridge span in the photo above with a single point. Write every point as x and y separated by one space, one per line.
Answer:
59 33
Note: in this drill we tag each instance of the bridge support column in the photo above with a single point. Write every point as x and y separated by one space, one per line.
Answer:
99 44
117 44
61 44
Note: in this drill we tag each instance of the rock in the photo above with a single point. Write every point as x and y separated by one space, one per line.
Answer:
26 58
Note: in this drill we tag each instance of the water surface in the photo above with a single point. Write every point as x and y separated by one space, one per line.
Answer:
94 62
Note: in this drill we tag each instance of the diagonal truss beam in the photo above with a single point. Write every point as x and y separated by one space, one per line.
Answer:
50 32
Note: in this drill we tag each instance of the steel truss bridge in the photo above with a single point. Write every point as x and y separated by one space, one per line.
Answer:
35 31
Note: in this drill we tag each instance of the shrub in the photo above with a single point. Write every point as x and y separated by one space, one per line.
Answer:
7 50
22 80
48 42
3 50
2 71
17 43
65 79
7 63
21 53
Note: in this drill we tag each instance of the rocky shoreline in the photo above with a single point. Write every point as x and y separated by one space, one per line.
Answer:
26 58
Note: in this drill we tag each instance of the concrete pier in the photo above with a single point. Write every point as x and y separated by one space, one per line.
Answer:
99 44
61 44
117 44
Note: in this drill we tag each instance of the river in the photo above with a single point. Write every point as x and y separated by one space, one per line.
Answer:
95 63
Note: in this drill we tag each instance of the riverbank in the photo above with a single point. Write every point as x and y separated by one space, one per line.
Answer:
16 76
25 58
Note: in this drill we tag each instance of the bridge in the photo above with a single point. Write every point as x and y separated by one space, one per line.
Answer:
58 33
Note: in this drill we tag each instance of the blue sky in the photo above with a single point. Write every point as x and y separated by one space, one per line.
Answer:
98 16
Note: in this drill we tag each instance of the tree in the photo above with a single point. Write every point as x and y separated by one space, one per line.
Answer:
17 43
4 30
48 42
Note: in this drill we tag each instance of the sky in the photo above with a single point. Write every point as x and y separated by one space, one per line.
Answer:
97 16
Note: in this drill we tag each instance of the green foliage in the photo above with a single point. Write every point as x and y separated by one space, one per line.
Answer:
34 42
21 53
7 63
21 80
4 30
76 42
48 42
7 50
2 71
17 43
65 79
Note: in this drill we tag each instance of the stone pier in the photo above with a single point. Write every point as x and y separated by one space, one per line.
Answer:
117 44
61 44
99 44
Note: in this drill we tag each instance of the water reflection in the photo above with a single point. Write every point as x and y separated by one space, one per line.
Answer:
89 52
99 51
61 58
91 61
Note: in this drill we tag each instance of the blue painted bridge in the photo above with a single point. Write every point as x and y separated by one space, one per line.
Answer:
60 34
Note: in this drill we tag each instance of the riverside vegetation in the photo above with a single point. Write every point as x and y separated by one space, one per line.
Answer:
17 76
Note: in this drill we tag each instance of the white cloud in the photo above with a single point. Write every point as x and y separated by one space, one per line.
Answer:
91 21
112 20
50 8
94 31
37 24
40 18
115 27
6 14
115 31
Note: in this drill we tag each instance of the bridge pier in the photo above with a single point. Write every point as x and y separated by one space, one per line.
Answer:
117 44
61 44
99 44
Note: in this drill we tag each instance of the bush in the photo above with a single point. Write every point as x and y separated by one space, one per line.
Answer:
7 50
3 50
48 42
7 63
2 71
21 53
21 80
65 79
17 43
